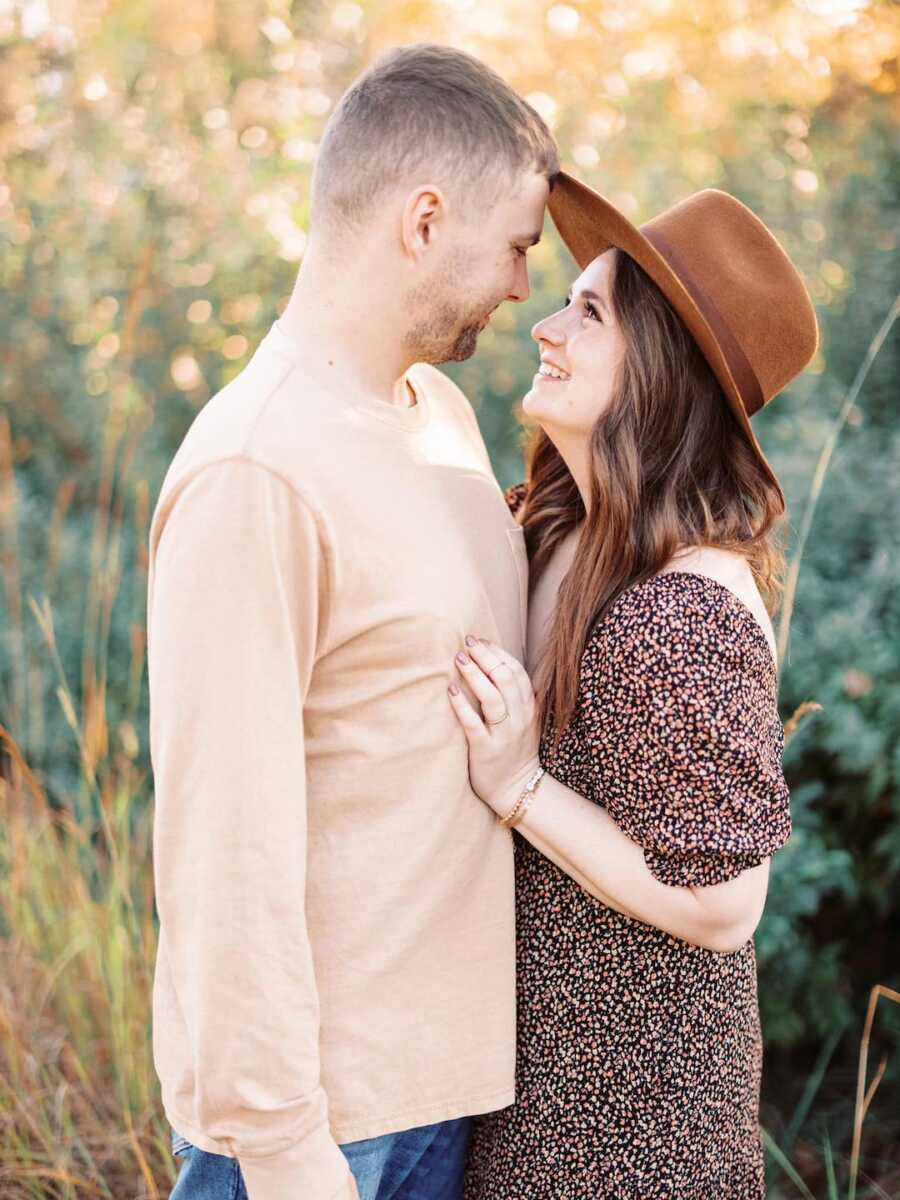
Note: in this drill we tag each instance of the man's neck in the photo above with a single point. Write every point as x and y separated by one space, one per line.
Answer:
345 334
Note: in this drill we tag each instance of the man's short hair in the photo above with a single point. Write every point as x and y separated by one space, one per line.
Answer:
431 108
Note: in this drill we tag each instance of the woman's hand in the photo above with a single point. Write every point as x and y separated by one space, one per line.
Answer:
504 737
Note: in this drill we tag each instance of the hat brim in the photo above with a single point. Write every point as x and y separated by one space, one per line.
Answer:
589 225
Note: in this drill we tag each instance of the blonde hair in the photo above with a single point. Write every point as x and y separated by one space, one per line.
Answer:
426 108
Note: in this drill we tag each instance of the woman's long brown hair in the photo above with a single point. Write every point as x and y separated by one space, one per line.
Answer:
672 468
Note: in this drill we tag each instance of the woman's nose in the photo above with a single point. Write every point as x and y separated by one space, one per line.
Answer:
548 330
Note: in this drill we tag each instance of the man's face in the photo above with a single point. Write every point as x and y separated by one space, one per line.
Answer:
483 265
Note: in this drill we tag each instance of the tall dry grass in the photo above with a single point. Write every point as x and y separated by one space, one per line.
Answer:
79 1102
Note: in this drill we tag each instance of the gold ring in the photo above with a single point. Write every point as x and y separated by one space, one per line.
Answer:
500 722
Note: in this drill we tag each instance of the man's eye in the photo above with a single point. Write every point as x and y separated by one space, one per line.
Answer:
522 251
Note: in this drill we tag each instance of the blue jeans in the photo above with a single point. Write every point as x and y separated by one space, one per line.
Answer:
418 1164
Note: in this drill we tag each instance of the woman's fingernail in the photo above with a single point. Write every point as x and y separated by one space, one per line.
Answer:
453 689
462 659
470 641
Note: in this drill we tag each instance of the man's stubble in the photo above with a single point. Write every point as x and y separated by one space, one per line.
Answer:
446 322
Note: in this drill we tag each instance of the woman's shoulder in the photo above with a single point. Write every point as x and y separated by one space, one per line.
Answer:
733 572
688 615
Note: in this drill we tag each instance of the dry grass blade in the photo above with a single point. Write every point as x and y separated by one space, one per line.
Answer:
873 1086
798 715
10 747
146 1170
9 570
790 588
864 1096
65 1177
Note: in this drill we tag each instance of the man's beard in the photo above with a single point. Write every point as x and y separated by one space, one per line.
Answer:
462 347
439 337
440 334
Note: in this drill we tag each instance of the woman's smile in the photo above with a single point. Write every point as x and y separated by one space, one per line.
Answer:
552 373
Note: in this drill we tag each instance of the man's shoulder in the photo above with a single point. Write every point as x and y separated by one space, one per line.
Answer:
254 417
447 395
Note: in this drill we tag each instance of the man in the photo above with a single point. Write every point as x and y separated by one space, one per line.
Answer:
334 991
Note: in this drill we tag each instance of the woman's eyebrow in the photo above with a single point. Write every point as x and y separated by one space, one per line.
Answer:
586 294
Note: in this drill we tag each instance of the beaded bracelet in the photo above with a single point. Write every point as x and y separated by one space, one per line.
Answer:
519 809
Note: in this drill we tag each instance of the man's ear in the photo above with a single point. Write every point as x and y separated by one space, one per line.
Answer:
422 220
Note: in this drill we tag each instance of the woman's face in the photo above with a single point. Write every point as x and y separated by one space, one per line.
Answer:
581 349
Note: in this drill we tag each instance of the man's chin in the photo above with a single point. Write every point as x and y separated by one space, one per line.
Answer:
464 346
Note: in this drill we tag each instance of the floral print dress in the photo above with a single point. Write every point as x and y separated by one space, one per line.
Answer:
639 1054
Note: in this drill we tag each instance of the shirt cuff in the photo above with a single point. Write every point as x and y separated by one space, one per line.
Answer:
314 1169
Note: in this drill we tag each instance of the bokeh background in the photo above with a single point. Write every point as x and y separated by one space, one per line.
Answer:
155 159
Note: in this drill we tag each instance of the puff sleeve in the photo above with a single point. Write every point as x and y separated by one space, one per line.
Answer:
678 708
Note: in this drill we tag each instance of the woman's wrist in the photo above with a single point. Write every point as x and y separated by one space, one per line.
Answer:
519 810
505 799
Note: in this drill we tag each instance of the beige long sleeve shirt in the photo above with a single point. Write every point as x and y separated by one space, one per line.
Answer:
336 946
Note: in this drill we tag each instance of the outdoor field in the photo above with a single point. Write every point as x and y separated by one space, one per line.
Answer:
155 163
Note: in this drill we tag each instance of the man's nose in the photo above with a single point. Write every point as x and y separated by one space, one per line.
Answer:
520 290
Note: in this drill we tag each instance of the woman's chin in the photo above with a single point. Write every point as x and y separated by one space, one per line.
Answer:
555 409
538 408
534 404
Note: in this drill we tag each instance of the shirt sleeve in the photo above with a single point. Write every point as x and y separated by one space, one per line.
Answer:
679 707
237 598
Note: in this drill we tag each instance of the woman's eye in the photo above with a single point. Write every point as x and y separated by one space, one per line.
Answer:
591 311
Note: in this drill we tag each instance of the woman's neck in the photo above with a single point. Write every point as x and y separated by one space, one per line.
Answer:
575 451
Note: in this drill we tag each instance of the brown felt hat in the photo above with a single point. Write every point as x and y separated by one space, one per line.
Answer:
725 275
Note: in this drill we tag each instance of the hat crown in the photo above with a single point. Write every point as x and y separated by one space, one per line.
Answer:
723 272
744 284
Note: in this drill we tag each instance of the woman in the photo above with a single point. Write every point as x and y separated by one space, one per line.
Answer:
641 768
